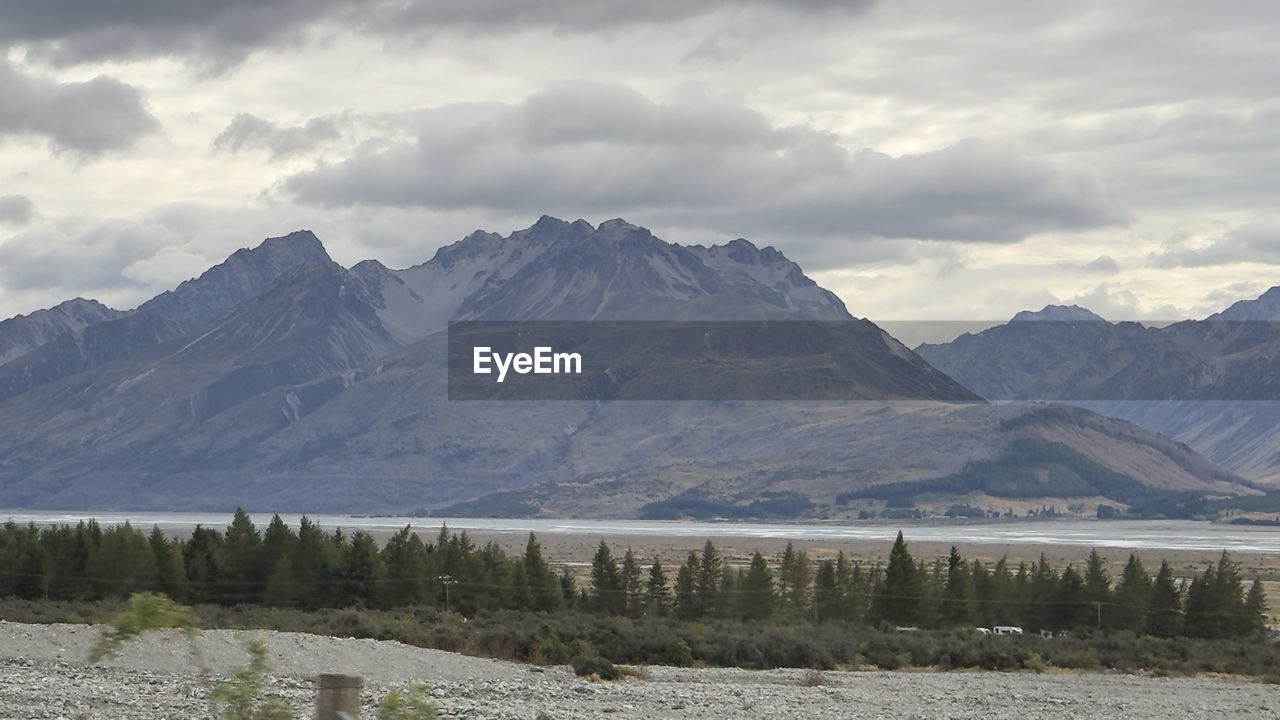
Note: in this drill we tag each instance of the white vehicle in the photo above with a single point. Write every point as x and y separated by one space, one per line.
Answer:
1007 630
982 630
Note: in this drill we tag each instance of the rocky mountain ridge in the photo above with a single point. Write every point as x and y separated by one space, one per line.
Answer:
281 380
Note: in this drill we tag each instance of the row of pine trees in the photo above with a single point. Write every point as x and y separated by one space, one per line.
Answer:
309 568
950 592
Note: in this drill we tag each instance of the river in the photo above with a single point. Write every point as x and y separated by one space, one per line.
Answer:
1133 534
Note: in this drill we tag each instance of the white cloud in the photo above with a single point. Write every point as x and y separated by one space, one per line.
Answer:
1254 242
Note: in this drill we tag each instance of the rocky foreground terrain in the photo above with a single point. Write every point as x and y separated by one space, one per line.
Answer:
43 674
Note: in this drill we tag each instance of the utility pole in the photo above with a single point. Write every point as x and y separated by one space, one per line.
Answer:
1098 605
815 603
447 580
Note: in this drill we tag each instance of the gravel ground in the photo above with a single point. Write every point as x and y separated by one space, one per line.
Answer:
43 674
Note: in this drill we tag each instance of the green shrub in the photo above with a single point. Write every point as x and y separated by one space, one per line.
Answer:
557 638
241 697
1035 662
416 704
681 653
144 611
595 666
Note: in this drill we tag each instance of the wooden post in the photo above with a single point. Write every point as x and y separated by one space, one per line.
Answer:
339 697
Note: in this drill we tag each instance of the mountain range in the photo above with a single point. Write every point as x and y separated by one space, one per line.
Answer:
281 380
1208 383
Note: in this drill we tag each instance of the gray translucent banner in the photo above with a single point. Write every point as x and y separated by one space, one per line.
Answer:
597 361
952 361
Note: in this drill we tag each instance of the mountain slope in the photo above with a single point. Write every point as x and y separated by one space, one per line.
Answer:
313 387
1210 383
196 402
169 315
830 459
24 333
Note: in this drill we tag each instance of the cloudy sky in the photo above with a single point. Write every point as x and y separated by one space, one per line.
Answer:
925 160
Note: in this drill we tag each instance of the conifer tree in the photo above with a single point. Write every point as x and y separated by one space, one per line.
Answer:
1228 594
242 556
1097 584
122 563
313 568
408 575
521 596
1129 611
632 584
607 591
794 578
1020 608
1255 611
203 558
826 592
64 553
1071 609
844 584
935 578
171 573
757 590
362 572
687 607
708 582
493 578
1201 605
982 581
898 600
572 599
1042 592
958 606
657 594
728 602
1164 605
282 588
279 542
858 601
547 592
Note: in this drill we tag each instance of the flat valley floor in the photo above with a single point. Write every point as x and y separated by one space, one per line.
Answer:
576 551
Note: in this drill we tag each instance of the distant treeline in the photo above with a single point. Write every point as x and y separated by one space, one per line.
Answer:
1030 468
308 568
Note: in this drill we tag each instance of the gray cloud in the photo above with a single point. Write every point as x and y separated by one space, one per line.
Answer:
16 209
248 131
67 32
591 149
220 33
1254 242
87 118
1103 264
573 16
